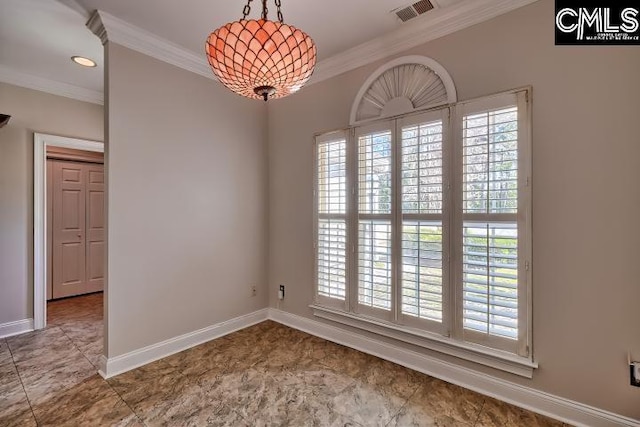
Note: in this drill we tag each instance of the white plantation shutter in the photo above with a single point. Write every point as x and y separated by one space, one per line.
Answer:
331 227
374 264
374 173
375 236
332 258
424 231
492 279
490 159
332 177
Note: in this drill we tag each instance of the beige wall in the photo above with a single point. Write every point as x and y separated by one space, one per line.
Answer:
31 111
187 170
586 200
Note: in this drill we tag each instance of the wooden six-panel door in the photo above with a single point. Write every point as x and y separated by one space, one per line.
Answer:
77 228
95 228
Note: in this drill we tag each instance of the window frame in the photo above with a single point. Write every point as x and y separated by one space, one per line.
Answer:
447 337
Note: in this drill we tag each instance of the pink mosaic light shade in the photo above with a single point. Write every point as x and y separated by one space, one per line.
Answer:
261 59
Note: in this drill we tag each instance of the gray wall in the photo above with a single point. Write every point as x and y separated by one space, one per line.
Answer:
586 202
31 111
187 171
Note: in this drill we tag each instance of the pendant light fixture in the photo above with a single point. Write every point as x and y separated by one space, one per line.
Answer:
261 59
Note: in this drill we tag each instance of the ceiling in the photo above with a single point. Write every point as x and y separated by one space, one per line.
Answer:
335 25
39 36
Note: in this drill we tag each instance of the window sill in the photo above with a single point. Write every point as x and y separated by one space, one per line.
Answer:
475 353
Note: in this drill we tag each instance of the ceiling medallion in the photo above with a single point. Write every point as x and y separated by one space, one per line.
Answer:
261 59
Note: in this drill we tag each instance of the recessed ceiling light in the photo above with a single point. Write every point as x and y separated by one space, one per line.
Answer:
85 62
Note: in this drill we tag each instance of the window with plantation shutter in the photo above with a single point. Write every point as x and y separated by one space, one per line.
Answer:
494 181
423 229
375 202
331 199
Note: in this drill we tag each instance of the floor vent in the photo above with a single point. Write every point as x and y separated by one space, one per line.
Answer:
414 10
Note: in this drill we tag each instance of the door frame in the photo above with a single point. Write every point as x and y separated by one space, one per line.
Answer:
40 143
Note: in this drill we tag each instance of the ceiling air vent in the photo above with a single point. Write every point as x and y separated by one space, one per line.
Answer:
413 10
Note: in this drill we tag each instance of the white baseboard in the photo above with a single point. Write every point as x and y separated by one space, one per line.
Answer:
102 368
562 409
110 367
543 403
16 328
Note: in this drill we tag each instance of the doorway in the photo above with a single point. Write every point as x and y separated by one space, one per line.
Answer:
75 222
41 237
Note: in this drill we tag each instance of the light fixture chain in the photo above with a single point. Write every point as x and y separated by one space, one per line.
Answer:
247 10
265 10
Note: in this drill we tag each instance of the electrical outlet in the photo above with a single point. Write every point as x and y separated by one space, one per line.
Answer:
254 291
634 371
281 292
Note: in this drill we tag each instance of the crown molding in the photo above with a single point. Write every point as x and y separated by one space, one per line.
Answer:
437 23
109 28
17 78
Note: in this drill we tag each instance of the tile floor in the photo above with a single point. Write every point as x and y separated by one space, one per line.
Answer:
265 375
